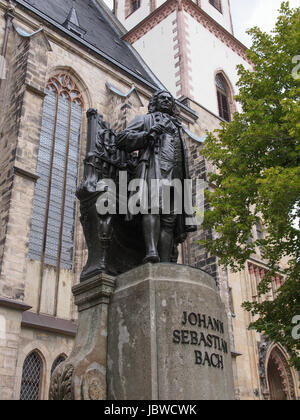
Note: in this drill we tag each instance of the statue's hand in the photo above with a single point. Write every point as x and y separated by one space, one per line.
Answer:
154 133
157 129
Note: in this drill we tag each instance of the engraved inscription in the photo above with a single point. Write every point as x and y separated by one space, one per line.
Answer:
205 332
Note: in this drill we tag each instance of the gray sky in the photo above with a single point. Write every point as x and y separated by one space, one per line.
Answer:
249 13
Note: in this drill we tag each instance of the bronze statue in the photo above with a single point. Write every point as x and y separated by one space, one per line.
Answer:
152 147
163 156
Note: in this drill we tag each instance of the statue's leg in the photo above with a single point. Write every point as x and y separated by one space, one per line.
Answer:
151 231
166 237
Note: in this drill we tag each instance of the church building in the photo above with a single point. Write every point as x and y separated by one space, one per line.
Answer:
59 59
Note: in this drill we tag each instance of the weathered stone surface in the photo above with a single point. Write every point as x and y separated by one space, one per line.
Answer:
153 345
10 326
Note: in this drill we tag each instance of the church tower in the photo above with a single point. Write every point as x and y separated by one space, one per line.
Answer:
190 46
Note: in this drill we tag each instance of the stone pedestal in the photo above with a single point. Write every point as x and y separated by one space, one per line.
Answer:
168 337
83 375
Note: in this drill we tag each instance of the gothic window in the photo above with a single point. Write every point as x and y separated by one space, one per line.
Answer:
131 6
31 377
135 4
223 94
61 358
259 231
260 235
52 231
217 4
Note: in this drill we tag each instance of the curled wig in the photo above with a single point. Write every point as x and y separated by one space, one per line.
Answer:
153 103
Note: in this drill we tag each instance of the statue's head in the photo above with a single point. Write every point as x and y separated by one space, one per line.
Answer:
162 101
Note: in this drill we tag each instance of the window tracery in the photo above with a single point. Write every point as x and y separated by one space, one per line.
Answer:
52 230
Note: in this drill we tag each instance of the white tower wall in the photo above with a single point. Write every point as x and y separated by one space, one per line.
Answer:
134 18
186 45
223 18
157 48
209 55
129 22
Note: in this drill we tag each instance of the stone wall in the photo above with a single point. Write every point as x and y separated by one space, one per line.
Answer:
10 323
14 90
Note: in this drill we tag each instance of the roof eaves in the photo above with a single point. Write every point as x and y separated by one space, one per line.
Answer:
86 44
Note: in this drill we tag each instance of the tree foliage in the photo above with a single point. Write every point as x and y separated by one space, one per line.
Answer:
257 157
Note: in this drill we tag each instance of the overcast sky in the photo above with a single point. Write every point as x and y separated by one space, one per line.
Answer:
249 13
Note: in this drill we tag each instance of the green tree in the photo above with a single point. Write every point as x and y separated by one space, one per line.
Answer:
257 156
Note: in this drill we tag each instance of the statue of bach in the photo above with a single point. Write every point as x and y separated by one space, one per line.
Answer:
158 136
151 148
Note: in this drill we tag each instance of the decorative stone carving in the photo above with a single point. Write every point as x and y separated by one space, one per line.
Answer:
63 84
282 366
284 372
263 346
61 385
83 375
93 386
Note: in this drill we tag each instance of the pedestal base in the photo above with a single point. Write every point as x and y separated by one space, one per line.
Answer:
83 375
168 337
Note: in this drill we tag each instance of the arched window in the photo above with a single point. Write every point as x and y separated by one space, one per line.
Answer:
135 4
259 230
131 6
223 94
31 377
217 4
259 235
61 358
52 231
